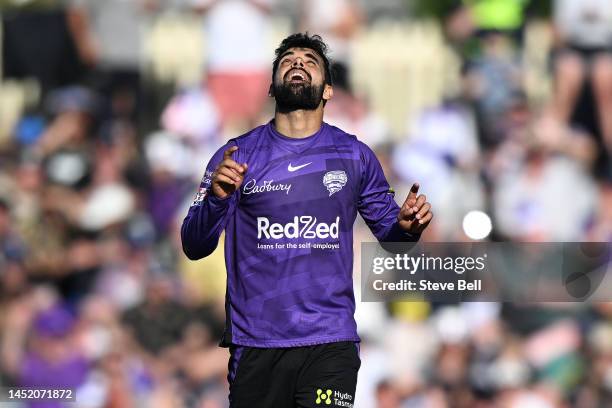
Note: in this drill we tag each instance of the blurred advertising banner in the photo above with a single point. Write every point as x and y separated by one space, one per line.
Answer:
487 271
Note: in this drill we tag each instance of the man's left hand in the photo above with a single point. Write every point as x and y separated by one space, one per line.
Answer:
415 214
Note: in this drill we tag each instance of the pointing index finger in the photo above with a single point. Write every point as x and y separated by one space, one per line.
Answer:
414 190
412 195
228 153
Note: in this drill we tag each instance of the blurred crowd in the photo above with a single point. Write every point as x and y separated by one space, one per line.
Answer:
102 147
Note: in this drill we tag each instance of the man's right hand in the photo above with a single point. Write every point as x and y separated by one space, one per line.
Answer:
228 176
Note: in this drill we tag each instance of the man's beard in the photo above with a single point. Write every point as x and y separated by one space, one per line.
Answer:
290 97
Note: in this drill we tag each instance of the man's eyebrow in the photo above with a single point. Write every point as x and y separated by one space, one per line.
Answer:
309 55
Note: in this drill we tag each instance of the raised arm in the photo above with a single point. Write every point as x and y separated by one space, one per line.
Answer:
387 221
214 203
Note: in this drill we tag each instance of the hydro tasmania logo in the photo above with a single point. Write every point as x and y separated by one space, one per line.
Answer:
339 399
334 181
323 397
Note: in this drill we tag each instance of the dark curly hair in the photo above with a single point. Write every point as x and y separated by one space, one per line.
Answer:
304 40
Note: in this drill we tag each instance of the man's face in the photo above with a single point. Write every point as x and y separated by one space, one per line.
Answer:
299 82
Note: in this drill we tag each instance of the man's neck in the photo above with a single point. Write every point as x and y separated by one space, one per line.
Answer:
300 123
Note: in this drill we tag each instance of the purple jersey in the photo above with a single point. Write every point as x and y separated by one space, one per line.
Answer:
289 234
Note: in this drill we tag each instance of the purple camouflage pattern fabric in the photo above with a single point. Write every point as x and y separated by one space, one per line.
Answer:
289 234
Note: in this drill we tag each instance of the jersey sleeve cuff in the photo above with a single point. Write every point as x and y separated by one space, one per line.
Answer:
217 202
397 234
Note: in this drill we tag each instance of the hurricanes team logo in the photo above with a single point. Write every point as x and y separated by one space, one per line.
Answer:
200 196
334 181
203 190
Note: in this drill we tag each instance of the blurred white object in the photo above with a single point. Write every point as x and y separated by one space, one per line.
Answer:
233 25
510 372
530 401
477 225
529 201
165 152
94 393
442 154
67 168
586 23
371 318
375 367
97 341
192 114
451 325
122 288
107 205
407 364
336 21
479 314
117 27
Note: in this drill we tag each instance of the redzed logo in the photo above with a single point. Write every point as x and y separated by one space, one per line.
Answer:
305 226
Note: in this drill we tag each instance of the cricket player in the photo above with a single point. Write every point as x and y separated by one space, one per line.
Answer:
287 194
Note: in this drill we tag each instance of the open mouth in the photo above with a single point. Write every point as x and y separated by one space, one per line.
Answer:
297 76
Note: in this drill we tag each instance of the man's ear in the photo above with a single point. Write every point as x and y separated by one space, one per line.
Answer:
271 90
328 92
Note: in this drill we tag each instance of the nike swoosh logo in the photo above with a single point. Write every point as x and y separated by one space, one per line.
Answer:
291 168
